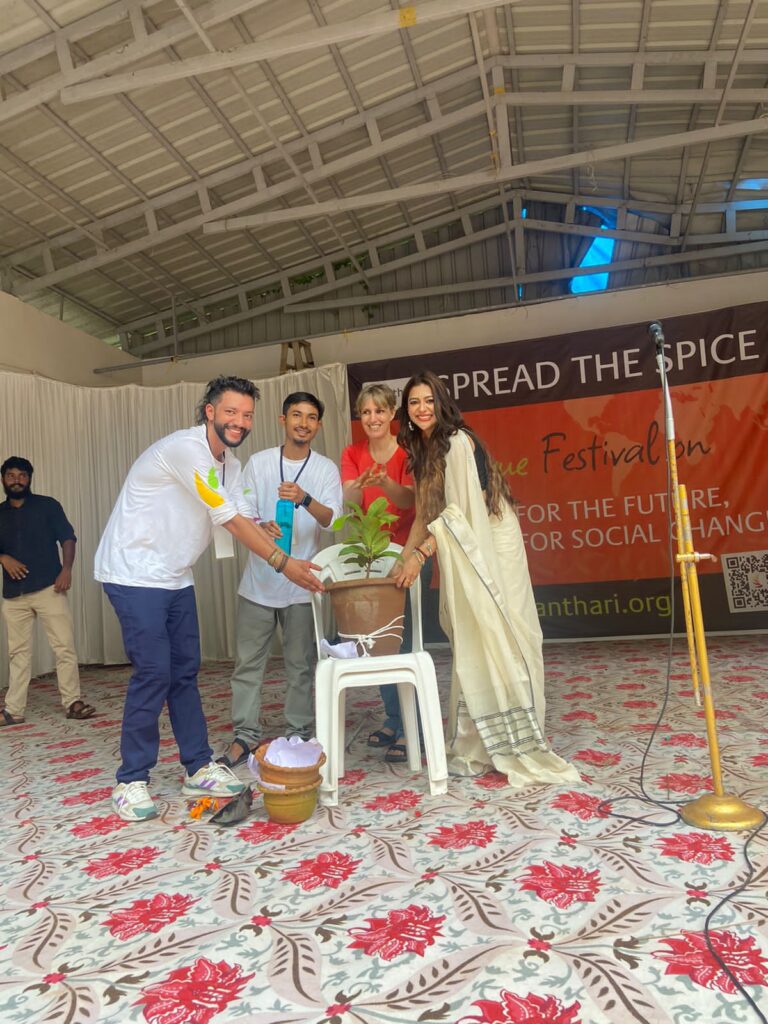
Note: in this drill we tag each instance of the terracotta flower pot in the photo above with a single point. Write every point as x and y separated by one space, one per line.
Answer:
292 806
291 778
364 606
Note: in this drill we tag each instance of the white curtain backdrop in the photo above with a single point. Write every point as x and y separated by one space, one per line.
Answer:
82 442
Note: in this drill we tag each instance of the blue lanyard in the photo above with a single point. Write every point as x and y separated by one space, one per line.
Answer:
301 469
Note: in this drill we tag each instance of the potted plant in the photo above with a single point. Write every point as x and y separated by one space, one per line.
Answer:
368 609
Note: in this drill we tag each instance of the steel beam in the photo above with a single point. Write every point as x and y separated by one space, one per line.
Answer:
370 26
425 189
173 32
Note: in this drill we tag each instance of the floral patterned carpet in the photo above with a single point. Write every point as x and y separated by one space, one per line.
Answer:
484 906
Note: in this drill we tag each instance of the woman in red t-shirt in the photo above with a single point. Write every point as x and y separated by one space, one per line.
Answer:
374 468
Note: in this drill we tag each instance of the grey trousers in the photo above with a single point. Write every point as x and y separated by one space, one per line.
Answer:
256 626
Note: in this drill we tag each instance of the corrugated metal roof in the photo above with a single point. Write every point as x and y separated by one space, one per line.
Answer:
115 193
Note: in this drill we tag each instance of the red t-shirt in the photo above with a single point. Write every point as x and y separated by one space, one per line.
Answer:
356 459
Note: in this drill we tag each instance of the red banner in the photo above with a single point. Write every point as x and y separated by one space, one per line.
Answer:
577 423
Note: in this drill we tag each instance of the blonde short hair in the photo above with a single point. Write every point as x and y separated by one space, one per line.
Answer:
381 395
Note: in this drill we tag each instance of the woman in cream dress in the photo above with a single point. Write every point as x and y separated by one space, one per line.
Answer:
464 511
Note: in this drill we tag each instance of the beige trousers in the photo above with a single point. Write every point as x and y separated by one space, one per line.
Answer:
55 614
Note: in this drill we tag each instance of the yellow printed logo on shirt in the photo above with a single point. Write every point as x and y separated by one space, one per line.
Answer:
206 492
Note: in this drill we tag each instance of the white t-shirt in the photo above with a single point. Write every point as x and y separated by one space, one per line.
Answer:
261 479
173 496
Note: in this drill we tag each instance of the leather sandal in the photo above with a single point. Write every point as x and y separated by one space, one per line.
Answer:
79 710
6 719
397 754
381 739
226 760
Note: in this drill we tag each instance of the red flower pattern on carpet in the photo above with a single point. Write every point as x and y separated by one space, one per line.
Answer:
90 796
401 931
328 869
530 1009
99 826
352 776
582 805
265 831
462 835
690 956
560 884
579 716
639 704
404 800
121 862
78 776
491 780
597 758
148 915
759 761
71 758
696 847
193 995
684 739
682 782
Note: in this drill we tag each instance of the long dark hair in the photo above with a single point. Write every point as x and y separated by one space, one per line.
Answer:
426 455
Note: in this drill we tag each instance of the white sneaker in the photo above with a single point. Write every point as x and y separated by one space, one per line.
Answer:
132 802
212 780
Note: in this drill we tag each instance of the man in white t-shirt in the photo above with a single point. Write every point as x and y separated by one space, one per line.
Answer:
312 485
176 494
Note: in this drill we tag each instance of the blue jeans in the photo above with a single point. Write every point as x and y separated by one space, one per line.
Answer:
162 639
389 698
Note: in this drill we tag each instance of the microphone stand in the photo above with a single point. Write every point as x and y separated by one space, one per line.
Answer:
717 811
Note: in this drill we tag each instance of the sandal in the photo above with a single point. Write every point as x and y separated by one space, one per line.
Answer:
382 738
397 754
79 710
6 719
227 761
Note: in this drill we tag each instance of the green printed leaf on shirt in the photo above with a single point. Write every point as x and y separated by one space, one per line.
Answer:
213 480
247 490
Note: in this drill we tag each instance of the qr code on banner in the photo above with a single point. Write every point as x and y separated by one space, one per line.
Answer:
746 581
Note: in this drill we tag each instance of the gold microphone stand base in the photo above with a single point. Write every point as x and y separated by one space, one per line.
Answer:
722 813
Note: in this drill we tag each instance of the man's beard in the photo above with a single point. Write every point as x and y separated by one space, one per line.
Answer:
16 491
221 434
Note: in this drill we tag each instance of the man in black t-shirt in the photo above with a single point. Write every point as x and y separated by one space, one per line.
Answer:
35 584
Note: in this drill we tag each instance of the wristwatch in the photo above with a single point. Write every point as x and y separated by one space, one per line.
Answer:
306 501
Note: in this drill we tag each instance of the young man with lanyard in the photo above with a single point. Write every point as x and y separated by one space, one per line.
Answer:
312 483
177 493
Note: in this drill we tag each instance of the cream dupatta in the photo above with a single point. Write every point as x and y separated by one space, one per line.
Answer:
487 609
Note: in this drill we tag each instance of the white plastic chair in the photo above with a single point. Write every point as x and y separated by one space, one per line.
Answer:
414 675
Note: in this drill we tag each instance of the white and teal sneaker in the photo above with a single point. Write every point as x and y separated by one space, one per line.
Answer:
212 780
131 801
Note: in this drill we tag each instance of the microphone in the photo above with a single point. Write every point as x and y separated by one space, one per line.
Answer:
656 334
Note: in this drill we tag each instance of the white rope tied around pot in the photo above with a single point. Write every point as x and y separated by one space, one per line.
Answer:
365 641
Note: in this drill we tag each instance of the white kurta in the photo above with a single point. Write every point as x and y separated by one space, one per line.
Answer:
487 608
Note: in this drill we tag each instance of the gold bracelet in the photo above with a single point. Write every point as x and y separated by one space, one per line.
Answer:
420 555
274 556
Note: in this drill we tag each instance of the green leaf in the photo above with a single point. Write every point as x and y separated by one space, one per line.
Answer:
213 480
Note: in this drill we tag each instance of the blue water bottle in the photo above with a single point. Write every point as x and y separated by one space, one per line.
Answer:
284 519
